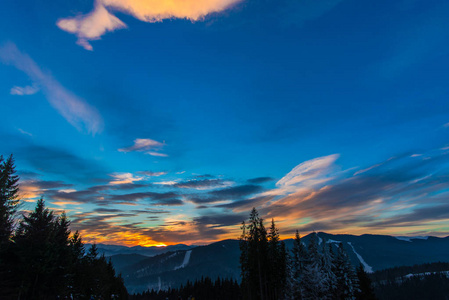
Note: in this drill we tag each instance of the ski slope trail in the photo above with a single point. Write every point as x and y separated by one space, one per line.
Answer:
186 260
367 267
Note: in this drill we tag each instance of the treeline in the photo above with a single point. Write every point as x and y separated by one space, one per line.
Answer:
41 259
318 271
204 289
429 281
391 274
270 272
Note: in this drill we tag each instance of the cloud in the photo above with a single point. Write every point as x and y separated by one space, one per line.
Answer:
56 161
124 178
148 146
246 205
96 23
230 193
204 184
168 199
92 25
260 180
220 220
32 189
169 183
152 153
388 195
236 192
24 91
309 173
151 174
75 110
24 132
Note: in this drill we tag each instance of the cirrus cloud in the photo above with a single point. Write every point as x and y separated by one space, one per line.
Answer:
148 146
24 91
74 109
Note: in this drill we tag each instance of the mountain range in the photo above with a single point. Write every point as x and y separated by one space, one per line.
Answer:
160 268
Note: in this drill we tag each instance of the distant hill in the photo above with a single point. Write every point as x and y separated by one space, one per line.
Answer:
110 250
221 259
424 282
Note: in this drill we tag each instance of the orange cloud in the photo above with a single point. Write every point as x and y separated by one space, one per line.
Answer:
96 23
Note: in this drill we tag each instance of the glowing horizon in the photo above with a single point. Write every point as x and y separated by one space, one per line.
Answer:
163 122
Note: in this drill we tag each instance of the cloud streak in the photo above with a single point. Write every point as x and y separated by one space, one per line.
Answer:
24 91
76 111
93 25
148 146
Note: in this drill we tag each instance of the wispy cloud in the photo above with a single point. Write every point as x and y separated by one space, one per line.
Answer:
306 175
75 110
93 25
24 132
152 174
124 178
203 184
148 146
152 153
24 91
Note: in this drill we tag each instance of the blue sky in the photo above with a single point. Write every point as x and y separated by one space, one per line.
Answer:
160 122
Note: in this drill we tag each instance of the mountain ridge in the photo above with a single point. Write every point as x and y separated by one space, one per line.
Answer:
221 259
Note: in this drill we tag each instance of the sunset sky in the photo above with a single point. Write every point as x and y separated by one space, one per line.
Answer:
157 122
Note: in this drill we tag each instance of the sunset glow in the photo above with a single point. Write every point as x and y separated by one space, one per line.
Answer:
160 122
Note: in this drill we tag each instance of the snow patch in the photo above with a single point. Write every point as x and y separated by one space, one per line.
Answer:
446 273
186 260
330 241
410 238
320 240
367 267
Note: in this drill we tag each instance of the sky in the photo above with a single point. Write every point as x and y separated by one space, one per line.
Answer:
158 122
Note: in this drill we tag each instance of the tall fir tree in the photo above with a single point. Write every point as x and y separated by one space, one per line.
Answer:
327 270
314 279
9 202
347 283
35 241
298 263
277 264
9 198
254 259
366 291
40 259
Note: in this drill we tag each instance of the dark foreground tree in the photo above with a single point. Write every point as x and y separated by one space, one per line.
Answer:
317 271
9 198
347 282
263 260
52 264
206 288
366 290
40 259
9 201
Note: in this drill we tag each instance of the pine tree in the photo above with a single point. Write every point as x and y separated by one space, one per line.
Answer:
314 285
366 291
254 258
36 246
9 198
298 262
9 202
327 269
244 261
347 284
41 259
277 264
